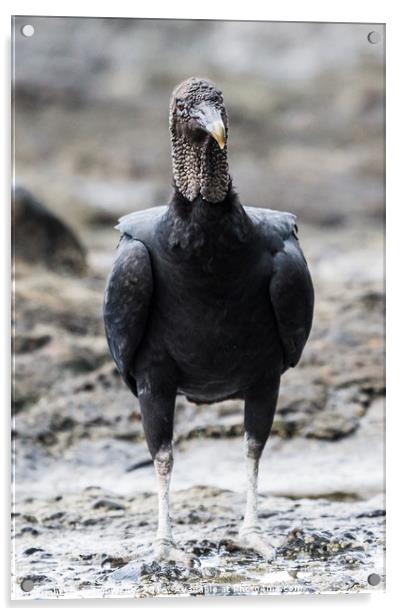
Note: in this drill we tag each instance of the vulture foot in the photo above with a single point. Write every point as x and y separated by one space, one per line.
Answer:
165 550
253 540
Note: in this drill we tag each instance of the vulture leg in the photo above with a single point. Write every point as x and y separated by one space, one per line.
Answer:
259 410
157 411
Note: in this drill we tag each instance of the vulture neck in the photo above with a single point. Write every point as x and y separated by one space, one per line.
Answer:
200 170
205 231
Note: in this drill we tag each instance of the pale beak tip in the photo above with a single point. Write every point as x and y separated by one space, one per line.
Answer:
217 131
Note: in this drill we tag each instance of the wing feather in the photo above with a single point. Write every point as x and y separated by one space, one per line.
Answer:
292 296
127 303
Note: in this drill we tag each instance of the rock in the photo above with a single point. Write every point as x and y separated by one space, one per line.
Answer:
27 344
340 416
29 529
332 428
41 237
30 551
377 513
113 562
108 504
57 515
317 544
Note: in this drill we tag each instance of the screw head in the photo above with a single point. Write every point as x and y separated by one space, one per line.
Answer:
373 37
27 585
27 30
374 579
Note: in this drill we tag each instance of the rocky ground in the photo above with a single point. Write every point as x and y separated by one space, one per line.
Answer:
92 143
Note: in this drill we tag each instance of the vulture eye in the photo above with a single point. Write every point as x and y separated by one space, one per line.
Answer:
180 106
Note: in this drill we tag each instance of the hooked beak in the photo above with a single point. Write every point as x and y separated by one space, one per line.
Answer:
210 121
217 131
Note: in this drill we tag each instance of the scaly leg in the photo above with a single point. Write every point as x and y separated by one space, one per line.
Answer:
260 405
157 410
165 547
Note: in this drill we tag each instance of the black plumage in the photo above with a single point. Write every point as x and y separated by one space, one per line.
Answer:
206 297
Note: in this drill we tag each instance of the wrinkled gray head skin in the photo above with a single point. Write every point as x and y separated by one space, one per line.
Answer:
199 127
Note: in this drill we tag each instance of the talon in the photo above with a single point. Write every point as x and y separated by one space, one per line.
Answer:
253 539
166 550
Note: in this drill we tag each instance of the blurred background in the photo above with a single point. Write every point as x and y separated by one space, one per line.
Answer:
91 142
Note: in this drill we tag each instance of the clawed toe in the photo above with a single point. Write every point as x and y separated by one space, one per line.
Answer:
253 540
166 551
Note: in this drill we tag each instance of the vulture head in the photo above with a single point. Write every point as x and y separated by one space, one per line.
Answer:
197 112
199 127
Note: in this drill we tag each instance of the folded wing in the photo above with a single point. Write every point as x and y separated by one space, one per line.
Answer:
292 296
127 304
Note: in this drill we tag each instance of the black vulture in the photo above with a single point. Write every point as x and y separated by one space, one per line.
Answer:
208 299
